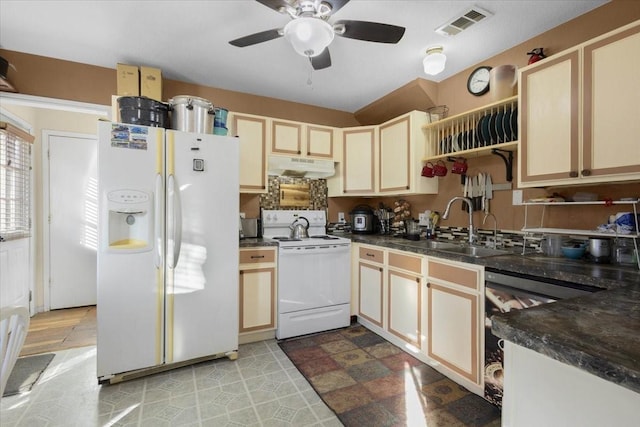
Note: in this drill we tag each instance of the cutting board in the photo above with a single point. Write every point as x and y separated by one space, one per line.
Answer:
295 195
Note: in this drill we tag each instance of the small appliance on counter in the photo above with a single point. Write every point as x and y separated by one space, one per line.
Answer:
413 229
362 219
599 250
250 227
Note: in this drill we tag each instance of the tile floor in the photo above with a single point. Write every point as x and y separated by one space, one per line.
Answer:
262 389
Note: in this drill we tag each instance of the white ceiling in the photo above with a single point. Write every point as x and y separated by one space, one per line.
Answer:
188 40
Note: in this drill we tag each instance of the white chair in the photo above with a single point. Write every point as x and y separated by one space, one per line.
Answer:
14 325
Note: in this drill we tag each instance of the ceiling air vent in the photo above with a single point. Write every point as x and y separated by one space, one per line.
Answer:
461 23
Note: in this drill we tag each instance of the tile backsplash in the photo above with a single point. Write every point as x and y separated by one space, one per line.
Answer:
317 190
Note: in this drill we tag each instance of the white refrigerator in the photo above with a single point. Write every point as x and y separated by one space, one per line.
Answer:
167 249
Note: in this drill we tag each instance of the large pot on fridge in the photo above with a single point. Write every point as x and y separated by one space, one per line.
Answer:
191 114
140 110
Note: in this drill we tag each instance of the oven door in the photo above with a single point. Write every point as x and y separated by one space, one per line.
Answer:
313 276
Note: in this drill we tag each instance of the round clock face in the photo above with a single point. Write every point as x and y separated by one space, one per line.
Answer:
478 83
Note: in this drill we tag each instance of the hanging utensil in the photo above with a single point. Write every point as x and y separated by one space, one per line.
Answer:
489 191
482 190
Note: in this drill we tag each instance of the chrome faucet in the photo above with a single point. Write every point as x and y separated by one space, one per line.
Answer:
445 215
495 228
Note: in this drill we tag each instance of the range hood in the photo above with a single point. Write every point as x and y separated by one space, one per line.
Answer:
299 167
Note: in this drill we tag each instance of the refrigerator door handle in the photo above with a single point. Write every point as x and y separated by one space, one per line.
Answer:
157 227
174 222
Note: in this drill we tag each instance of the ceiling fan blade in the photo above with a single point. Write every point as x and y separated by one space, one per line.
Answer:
277 5
370 31
321 61
256 38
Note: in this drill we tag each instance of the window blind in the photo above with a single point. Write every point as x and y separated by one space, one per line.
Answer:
15 182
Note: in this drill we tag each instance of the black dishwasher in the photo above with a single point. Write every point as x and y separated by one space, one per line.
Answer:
505 292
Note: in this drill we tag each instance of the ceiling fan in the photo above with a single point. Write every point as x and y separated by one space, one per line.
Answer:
310 34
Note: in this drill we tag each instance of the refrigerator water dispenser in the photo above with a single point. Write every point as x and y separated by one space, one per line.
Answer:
130 221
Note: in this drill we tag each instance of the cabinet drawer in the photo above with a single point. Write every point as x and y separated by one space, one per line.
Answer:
372 255
255 256
466 277
406 262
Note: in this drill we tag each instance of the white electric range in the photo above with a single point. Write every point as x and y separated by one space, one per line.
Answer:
314 274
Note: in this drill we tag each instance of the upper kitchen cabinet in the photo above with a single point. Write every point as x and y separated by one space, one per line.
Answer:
252 131
579 113
301 139
402 145
383 160
357 173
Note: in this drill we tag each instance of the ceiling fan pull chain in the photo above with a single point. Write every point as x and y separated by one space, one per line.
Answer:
309 79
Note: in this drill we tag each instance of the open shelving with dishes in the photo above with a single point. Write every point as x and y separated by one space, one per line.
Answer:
581 232
474 133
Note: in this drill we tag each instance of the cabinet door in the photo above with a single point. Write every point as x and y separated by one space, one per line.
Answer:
358 158
453 330
257 299
252 133
320 142
549 144
611 123
395 156
405 306
370 287
286 138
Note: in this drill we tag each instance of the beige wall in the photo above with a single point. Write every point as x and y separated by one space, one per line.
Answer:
41 120
54 78
67 80
453 93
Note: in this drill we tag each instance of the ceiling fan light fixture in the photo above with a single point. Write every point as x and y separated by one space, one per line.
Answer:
435 61
308 36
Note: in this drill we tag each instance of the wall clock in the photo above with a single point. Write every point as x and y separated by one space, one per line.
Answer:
478 82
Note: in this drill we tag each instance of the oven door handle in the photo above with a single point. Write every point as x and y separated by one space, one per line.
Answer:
316 250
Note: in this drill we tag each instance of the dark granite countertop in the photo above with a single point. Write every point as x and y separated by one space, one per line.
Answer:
254 242
598 333
574 271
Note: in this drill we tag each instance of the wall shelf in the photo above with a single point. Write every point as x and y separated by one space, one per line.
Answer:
575 232
474 133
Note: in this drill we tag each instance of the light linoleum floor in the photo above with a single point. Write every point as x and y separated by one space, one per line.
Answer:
262 389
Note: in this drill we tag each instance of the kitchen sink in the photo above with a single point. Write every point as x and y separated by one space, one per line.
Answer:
435 244
474 251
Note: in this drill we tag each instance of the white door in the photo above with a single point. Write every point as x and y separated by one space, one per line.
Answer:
72 207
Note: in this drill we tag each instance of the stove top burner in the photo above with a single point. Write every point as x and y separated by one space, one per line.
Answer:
325 237
286 239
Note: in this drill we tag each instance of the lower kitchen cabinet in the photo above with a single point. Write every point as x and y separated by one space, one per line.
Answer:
257 290
454 313
430 307
371 284
404 280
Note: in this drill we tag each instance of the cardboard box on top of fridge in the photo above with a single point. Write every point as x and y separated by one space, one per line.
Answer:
128 80
151 83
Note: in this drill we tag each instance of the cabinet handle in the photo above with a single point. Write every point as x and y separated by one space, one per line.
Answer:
428 285
299 152
241 272
257 256
418 280
368 254
586 172
573 174
380 269
407 187
308 153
